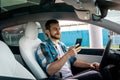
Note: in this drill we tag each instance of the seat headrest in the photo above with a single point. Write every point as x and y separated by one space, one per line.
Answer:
31 30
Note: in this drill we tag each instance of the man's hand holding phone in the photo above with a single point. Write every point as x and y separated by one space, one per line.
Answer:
74 50
78 48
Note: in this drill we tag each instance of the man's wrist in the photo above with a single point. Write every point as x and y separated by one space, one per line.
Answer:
68 55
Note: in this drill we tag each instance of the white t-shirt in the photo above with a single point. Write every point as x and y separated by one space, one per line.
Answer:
66 69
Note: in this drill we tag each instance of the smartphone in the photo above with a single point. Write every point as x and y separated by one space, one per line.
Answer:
78 41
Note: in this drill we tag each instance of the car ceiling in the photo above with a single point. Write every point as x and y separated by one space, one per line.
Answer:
41 10
7 5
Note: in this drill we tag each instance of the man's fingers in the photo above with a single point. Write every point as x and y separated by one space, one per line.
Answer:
76 45
78 49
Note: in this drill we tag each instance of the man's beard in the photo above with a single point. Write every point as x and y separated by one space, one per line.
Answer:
54 37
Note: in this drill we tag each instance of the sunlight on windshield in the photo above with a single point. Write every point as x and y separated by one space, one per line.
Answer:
113 15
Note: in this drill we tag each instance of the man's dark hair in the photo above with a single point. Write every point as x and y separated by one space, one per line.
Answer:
47 24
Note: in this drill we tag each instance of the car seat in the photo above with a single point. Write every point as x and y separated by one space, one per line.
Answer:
10 67
28 45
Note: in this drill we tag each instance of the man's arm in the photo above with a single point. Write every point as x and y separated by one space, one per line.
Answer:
54 67
82 64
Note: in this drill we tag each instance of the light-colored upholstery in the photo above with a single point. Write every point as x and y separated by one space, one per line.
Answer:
9 66
28 45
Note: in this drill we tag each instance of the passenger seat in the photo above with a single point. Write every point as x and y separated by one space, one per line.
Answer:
28 45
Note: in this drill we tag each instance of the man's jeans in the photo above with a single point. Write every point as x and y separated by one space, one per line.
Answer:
87 75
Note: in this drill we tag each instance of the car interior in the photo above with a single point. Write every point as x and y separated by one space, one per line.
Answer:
22 29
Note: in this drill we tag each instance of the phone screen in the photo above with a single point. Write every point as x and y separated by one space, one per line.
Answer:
79 41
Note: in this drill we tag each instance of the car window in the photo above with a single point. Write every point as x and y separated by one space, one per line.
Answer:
71 30
113 15
115 40
12 34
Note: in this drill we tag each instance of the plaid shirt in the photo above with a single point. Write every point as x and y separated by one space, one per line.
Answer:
49 54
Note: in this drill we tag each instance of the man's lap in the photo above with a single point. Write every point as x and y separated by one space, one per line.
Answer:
87 75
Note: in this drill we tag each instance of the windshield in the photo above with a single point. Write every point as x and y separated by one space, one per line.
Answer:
7 5
113 15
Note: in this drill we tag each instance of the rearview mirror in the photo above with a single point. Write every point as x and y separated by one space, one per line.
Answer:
96 17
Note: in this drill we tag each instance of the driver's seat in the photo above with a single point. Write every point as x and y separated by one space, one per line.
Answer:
28 45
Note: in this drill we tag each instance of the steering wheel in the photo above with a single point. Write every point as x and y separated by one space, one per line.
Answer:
104 61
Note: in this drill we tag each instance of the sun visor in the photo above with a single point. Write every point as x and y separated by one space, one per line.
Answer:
83 14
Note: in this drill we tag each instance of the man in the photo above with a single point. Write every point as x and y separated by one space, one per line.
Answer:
58 58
